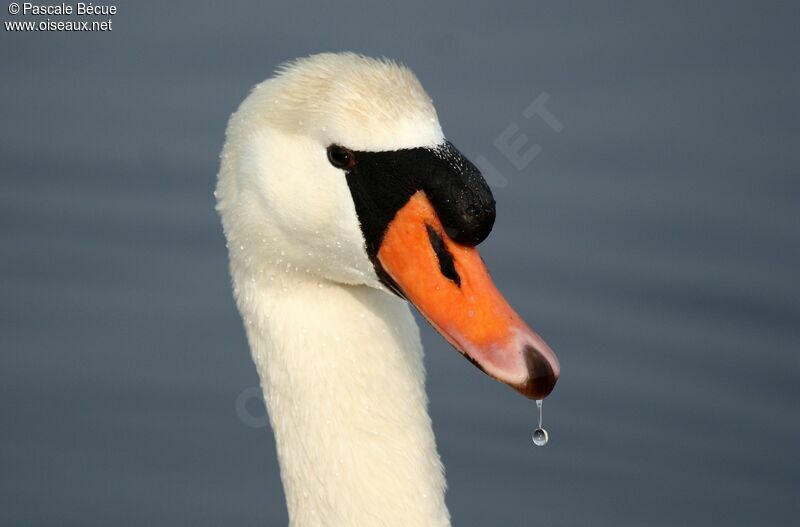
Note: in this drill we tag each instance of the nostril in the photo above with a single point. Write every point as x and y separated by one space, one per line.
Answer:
541 377
446 264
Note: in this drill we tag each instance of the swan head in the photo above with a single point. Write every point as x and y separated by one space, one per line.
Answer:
338 167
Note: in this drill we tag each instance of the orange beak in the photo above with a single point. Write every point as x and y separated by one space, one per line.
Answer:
449 284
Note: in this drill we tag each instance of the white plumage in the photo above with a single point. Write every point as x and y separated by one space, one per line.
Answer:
339 357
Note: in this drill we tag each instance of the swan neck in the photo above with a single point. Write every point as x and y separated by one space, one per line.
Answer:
344 383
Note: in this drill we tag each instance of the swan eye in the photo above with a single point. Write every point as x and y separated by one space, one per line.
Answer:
341 157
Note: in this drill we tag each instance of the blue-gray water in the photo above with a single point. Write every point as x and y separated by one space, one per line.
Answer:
653 242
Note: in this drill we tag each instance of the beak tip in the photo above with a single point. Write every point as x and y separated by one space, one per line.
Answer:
543 373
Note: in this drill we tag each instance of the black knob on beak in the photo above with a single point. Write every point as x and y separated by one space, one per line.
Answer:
461 197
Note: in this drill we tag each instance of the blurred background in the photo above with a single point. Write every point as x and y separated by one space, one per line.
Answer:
652 240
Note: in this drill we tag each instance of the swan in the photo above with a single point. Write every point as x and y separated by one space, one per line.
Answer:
342 202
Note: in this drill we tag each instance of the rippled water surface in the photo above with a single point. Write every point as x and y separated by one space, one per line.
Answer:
653 242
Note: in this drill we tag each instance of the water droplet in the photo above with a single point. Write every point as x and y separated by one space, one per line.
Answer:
540 436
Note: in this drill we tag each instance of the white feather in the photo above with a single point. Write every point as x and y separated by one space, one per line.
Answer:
339 357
